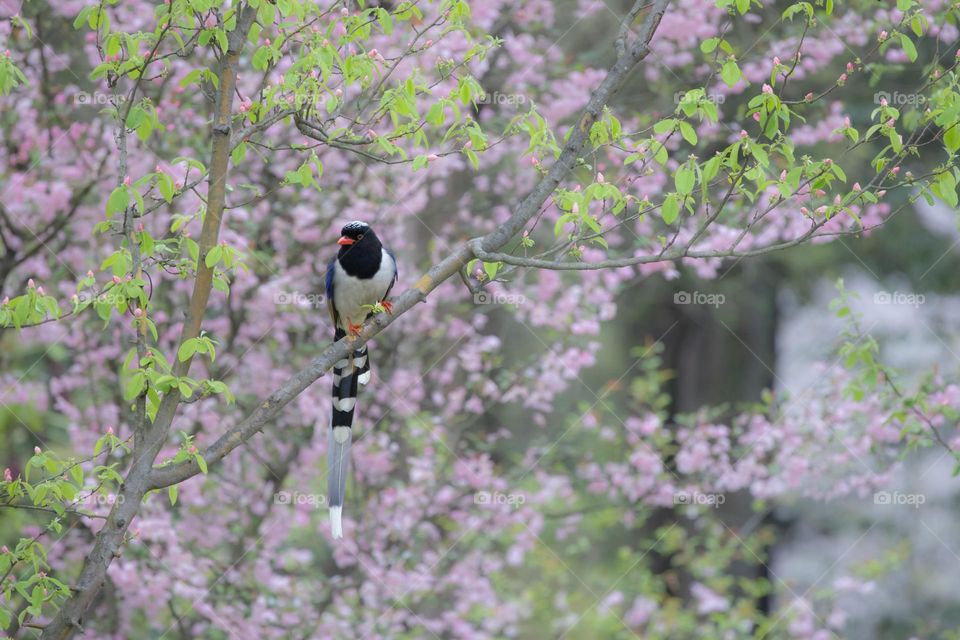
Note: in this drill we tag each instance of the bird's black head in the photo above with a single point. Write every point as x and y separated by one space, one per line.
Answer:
357 233
360 249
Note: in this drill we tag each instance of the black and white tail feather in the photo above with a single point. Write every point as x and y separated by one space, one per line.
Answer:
348 375
363 272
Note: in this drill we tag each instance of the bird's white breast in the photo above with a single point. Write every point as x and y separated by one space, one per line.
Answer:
350 294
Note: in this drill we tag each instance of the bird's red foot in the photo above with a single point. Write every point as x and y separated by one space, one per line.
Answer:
388 306
354 329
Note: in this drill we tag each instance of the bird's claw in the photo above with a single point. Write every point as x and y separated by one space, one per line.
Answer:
388 306
354 330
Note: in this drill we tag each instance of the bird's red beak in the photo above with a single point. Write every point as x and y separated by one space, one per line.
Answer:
344 240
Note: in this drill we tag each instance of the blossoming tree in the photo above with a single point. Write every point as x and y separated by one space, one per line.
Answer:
174 175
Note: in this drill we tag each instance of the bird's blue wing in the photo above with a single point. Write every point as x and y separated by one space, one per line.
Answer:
329 293
396 272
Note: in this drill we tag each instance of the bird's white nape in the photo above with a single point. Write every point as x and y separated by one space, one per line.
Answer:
336 522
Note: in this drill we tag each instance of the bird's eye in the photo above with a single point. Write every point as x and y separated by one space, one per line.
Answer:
360 237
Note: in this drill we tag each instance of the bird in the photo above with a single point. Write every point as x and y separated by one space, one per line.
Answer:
360 276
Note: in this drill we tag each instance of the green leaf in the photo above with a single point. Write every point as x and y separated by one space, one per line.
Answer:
187 349
730 73
688 133
685 179
172 493
908 47
135 117
213 256
166 186
386 22
670 209
664 125
76 472
118 201
951 139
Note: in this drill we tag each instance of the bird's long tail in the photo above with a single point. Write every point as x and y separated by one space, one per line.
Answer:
347 374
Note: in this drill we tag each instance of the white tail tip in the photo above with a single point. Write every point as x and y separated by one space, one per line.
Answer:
336 523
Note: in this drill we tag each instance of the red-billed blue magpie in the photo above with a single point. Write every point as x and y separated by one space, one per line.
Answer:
359 277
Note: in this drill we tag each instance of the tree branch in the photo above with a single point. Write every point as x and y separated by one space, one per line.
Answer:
268 409
136 483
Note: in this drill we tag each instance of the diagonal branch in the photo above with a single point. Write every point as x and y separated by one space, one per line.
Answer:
268 409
